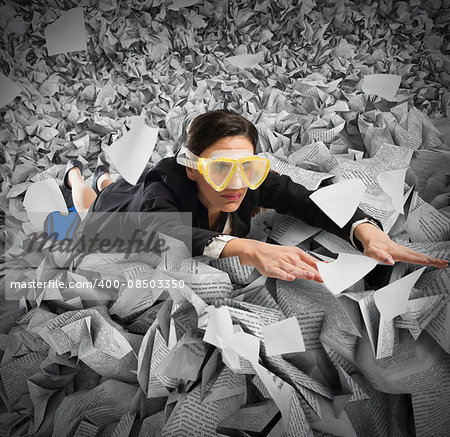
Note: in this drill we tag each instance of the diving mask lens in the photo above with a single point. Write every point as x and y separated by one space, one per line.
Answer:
255 170
252 170
219 171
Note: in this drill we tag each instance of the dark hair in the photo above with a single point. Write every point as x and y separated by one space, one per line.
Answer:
210 127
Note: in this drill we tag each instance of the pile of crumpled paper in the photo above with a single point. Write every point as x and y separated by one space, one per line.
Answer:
337 90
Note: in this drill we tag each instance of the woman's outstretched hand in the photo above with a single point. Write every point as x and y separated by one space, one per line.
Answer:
281 262
290 262
379 246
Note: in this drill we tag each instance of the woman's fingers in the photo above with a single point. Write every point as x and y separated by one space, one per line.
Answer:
403 254
289 262
439 263
301 270
307 258
379 255
297 263
289 272
419 258
278 273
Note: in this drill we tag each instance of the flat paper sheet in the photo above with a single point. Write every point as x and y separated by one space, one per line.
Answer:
392 299
67 33
41 199
132 151
383 85
9 90
345 271
392 184
339 201
246 61
283 337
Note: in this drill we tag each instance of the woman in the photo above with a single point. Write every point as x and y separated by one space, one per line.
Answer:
221 182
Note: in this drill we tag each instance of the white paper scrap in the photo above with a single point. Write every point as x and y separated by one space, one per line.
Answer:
41 199
246 61
345 271
67 33
9 90
392 299
283 337
392 184
247 346
339 201
132 151
281 392
383 85
220 326
178 4
218 333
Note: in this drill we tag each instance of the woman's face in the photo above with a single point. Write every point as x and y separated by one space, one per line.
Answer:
229 199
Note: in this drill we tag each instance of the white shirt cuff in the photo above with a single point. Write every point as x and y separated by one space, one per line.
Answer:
214 249
352 230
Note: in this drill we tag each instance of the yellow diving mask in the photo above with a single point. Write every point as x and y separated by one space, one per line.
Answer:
232 169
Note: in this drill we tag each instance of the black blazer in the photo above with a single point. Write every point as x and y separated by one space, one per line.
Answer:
166 187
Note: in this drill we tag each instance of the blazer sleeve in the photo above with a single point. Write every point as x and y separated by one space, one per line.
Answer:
285 196
159 198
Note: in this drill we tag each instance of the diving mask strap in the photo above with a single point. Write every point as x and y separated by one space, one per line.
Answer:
187 158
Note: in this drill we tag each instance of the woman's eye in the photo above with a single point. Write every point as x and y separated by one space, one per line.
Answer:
246 166
223 167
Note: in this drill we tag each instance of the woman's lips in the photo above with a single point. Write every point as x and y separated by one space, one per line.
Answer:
232 197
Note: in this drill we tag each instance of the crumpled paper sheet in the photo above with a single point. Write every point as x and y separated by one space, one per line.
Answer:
167 59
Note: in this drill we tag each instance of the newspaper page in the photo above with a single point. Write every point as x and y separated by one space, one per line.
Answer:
238 273
290 231
309 179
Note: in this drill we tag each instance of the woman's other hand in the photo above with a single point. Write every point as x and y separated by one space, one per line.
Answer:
379 246
281 262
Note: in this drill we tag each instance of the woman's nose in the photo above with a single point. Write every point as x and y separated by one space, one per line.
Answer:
236 181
